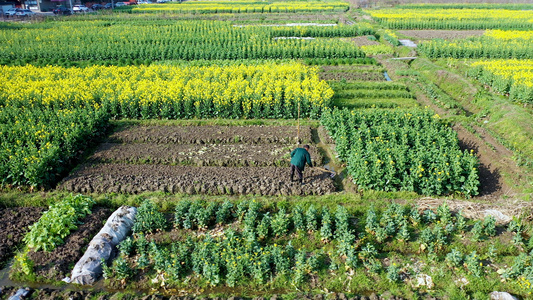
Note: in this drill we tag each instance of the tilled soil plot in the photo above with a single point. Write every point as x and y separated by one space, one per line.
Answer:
211 134
58 263
364 41
14 224
223 155
124 178
441 34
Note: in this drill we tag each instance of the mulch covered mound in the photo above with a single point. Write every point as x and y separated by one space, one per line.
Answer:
57 264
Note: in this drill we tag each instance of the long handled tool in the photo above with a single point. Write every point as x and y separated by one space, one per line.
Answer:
332 173
298 134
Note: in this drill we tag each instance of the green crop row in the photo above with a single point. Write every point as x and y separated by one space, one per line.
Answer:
39 144
478 47
242 244
436 6
397 18
237 256
507 77
213 7
402 150
159 40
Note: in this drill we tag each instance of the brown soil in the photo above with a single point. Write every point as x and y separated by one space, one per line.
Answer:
211 134
14 224
57 264
441 34
226 155
363 41
121 178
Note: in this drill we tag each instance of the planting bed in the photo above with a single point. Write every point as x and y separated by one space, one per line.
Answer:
227 155
127 178
56 264
441 34
211 134
199 160
14 224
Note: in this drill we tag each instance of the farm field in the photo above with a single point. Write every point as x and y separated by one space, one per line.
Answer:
198 160
145 152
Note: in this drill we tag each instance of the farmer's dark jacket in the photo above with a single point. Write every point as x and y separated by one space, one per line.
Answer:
299 157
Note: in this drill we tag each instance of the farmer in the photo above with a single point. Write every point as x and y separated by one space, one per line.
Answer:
299 157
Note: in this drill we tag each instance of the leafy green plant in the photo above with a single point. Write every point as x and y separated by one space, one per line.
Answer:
120 269
311 218
224 212
372 223
393 273
444 214
454 259
381 234
460 222
148 219
264 227
473 264
280 223
489 226
326 230
127 246
414 216
477 231
242 208
404 234
143 262
181 213
298 217
57 222
252 215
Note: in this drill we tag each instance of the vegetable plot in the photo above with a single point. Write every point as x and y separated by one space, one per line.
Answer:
508 77
210 245
49 114
402 150
493 44
467 18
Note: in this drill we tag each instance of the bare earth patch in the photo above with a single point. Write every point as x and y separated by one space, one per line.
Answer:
363 41
133 179
441 34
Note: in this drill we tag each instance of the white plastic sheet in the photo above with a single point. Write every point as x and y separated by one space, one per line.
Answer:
115 230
